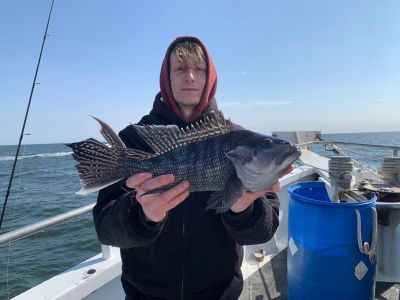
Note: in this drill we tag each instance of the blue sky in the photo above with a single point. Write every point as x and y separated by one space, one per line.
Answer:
282 65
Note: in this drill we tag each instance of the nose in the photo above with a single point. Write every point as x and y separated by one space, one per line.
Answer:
189 75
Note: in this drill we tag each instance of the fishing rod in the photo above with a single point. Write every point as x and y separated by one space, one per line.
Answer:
26 116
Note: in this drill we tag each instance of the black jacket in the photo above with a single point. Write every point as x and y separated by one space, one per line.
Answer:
192 253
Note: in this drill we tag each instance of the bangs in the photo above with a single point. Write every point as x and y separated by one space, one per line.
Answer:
188 51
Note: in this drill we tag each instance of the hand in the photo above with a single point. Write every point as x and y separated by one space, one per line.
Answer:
249 197
156 206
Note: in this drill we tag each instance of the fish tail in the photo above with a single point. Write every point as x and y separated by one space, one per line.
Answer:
98 165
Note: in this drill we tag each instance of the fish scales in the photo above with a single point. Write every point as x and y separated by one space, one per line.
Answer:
212 155
203 164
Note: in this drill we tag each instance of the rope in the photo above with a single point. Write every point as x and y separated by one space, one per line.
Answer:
12 221
360 165
365 248
365 155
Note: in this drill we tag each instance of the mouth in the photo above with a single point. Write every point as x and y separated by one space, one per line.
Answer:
289 157
190 90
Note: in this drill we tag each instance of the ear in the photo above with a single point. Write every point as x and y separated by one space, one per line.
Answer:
240 155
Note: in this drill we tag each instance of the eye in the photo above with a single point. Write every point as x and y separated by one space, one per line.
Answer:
199 69
267 143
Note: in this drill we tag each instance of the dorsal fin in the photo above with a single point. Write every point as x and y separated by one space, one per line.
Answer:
115 142
111 137
138 154
163 139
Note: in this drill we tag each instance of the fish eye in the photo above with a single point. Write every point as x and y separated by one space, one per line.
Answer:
267 143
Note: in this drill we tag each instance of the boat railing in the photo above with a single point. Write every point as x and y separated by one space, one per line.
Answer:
34 228
31 229
37 227
395 149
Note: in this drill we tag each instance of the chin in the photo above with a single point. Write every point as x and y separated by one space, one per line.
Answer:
188 102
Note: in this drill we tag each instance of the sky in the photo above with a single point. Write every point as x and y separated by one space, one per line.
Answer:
332 66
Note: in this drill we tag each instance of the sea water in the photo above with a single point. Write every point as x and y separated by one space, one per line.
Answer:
44 185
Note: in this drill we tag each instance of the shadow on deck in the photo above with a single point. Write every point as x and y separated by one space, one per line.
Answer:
269 282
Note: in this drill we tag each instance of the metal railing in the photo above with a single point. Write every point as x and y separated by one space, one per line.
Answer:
395 149
39 226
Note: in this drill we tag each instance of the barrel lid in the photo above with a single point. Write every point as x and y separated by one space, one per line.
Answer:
382 188
315 193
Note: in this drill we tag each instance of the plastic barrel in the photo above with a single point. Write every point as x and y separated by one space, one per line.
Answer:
324 256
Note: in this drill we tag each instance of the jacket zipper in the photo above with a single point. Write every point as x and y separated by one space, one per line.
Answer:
183 265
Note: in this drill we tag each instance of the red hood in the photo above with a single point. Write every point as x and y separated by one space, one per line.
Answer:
209 89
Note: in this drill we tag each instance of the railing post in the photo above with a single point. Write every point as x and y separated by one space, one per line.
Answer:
395 152
106 251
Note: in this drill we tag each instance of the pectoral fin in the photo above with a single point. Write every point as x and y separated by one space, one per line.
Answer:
160 190
223 201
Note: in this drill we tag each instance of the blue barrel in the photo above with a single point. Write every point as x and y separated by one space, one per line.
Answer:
324 258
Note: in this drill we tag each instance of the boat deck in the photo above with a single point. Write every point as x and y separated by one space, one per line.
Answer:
270 282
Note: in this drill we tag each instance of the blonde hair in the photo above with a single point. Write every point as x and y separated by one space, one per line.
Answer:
187 50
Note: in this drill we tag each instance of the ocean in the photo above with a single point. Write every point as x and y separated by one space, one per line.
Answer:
44 185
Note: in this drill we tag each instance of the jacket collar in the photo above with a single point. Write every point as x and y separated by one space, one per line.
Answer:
164 114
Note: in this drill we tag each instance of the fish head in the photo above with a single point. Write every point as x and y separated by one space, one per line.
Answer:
260 159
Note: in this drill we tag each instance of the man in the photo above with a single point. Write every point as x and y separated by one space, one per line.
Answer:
171 247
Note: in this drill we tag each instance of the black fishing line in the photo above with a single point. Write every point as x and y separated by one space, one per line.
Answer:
26 116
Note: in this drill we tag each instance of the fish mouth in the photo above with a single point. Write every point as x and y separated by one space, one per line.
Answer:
289 157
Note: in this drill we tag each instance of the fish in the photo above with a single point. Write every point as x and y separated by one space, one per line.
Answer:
213 155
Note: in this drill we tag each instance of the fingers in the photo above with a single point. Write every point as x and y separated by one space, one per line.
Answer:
162 200
175 191
276 187
156 182
254 195
172 203
244 202
286 171
155 206
136 180
145 182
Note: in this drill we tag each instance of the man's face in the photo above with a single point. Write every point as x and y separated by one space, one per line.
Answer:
187 81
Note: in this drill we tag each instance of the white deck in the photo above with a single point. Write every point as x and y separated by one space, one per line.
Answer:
79 283
98 278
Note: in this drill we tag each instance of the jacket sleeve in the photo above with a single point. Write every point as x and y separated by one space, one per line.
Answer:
257 224
119 219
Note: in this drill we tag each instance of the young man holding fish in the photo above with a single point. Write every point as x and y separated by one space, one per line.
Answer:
171 246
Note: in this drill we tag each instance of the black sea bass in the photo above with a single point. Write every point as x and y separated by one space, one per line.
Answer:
212 155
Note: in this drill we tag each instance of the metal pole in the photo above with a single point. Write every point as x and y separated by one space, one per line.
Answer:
26 116
394 148
37 227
